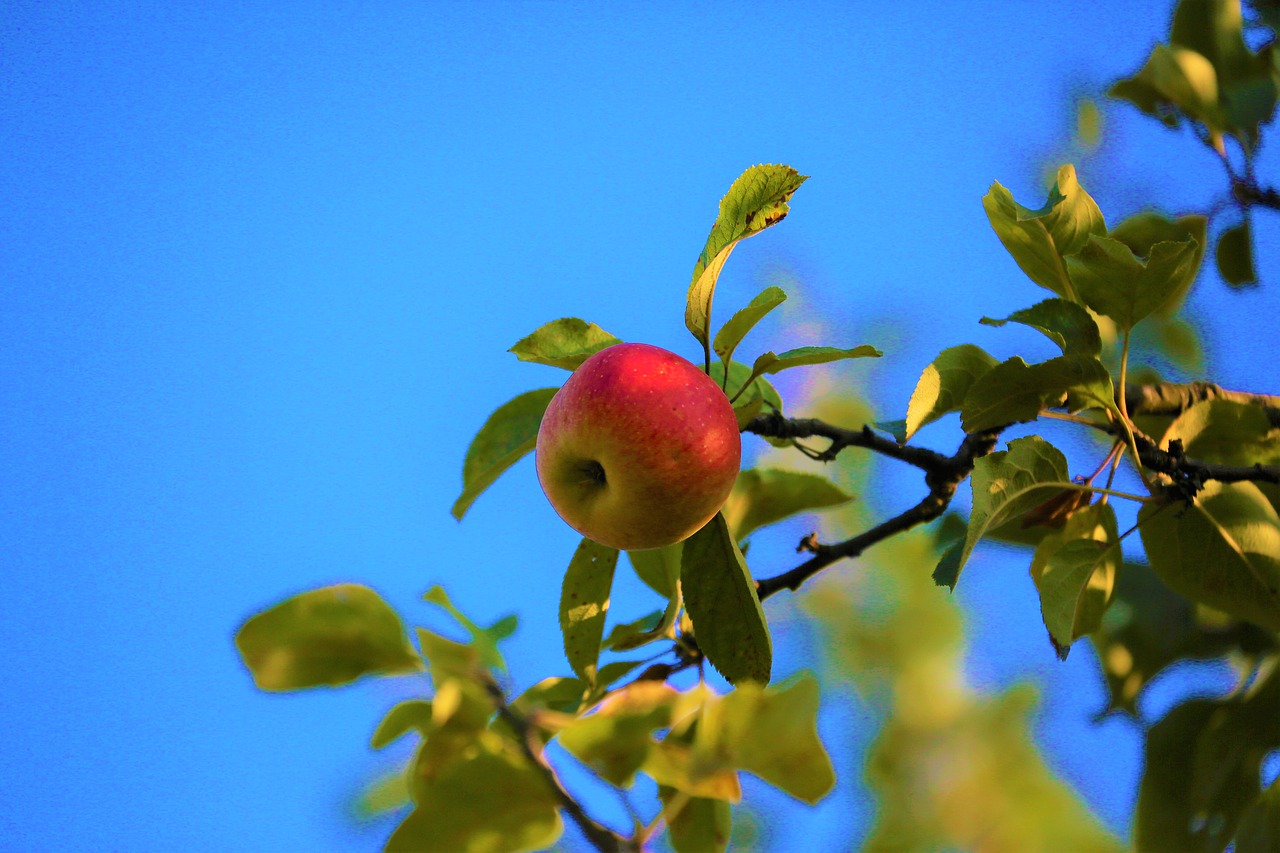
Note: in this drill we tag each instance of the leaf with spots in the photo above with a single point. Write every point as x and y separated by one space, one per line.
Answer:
584 603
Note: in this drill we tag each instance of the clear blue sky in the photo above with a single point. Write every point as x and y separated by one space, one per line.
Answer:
260 264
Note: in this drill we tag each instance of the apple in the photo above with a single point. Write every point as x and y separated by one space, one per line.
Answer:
639 449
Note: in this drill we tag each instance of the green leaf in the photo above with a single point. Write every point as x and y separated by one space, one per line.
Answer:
645 630
616 739
1113 281
732 332
757 199
659 568
1075 573
494 801
1223 551
1005 484
566 343
770 363
791 757
944 383
506 436
896 429
1177 78
1203 766
400 720
1235 256
1065 323
1014 392
1259 828
720 597
764 496
1039 239
1226 432
584 603
485 640
746 387
1142 231
695 824
325 637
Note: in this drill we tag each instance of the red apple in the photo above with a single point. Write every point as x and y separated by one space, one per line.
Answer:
639 449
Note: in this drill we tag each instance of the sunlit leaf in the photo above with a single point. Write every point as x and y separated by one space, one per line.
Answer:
755 388
720 597
770 363
566 343
1014 392
493 801
616 738
1176 80
732 332
944 383
757 199
1227 432
1223 550
1113 281
1235 256
1074 570
584 603
404 717
764 496
1039 239
485 640
506 436
1065 323
1005 484
791 757
325 637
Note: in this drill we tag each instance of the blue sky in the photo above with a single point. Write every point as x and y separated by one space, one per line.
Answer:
260 264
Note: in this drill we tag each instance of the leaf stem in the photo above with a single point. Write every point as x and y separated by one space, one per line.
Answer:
1124 414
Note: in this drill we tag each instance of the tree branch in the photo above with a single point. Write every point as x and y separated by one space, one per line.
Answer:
775 425
1170 398
943 474
1249 193
601 837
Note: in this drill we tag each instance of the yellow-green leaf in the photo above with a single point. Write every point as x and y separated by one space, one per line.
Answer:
325 637
764 496
944 383
584 603
506 436
757 199
732 332
566 343
1074 570
1113 281
410 715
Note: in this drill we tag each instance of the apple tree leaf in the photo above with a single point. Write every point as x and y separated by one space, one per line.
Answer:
1014 392
720 597
1235 256
1142 231
404 717
764 496
659 568
732 332
1074 570
1223 550
491 799
1065 323
1005 484
944 383
1203 768
508 434
1115 282
757 199
1179 78
1259 827
745 387
695 824
770 363
584 603
485 640
566 343
1039 239
1227 432
325 638
616 738
791 757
